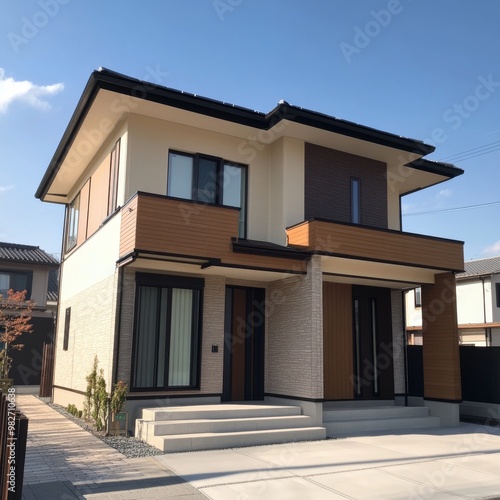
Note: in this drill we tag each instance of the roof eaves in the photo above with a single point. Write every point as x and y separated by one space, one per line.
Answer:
344 127
436 167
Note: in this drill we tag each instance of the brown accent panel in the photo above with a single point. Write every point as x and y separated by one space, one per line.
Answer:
83 215
99 190
337 341
166 225
238 345
328 175
440 339
377 244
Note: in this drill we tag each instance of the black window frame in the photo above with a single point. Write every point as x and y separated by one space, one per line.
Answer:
29 281
418 296
219 182
355 207
170 282
67 322
497 291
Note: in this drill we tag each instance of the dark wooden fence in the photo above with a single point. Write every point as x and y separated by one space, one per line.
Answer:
480 372
13 437
47 373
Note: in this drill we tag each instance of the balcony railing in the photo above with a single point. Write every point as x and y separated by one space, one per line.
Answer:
185 230
375 244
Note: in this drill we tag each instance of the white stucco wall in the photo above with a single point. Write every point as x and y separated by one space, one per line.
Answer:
470 301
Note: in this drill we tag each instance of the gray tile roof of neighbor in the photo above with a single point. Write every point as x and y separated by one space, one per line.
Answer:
481 267
26 254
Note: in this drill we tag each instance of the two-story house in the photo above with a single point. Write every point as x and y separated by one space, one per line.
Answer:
27 267
478 305
216 254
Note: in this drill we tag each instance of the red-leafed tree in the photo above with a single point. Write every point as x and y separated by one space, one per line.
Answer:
15 319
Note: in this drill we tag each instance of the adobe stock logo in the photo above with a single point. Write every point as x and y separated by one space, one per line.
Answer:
363 36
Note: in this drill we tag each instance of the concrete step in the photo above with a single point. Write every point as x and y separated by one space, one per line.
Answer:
375 412
216 440
217 412
349 428
149 429
362 419
204 427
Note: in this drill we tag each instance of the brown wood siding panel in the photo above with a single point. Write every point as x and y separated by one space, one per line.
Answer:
99 190
354 241
172 226
83 215
128 227
328 175
337 341
440 339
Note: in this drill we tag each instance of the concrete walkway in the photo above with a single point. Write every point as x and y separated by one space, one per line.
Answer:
65 462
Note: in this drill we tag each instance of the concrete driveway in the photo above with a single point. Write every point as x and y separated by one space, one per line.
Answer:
441 463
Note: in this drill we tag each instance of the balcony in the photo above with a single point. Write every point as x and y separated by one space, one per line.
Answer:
174 230
377 245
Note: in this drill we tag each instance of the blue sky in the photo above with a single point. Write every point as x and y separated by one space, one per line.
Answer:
418 68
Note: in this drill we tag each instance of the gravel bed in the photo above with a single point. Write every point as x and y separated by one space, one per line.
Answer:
127 445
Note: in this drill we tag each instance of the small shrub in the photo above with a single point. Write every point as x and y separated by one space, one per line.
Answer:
119 396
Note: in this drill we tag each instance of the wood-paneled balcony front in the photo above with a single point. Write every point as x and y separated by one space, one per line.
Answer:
181 230
354 241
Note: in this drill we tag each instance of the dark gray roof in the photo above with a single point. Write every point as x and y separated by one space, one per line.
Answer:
26 254
481 267
105 79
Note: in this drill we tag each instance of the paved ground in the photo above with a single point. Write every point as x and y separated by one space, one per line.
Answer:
63 461
66 462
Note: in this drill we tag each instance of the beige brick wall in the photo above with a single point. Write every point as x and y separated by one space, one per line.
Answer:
294 337
91 333
398 332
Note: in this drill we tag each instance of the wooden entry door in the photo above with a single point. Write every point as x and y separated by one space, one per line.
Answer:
372 343
244 344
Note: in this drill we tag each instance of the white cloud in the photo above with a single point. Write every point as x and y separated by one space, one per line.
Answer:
445 193
25 91
492 250
5 188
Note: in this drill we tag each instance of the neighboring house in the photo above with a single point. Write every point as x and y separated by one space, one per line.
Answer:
214 253
26 267
478 305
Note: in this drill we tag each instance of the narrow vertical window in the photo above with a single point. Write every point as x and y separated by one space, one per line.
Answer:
67 319
418 297
234 192
497 290
113 178
355 200
72 225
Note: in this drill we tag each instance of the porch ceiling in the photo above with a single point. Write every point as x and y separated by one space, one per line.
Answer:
369 273
196 268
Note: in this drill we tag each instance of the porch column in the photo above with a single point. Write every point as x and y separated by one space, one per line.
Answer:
442 384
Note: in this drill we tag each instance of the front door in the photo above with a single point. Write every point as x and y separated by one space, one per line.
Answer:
372 343
244 344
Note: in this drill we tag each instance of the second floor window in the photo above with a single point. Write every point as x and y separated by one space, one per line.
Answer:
17 281
72 227
206 179
355 200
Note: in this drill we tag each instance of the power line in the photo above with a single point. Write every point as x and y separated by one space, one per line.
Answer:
453 209
473 152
